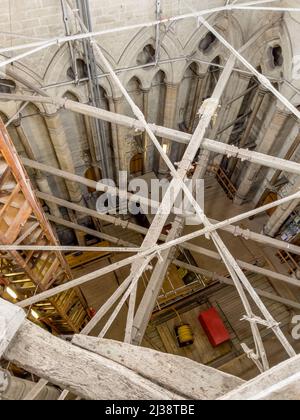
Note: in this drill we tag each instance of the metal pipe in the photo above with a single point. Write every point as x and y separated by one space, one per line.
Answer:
226 280
234 230
43 46
42 248
231 123
170 134
241 95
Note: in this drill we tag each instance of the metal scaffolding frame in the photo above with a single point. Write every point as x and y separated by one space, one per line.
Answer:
149 251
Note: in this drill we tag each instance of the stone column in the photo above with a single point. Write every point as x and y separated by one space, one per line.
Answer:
114 133
63 153
169 121
229 112
43 185
260 95
283 212
258 100
288 148
148 145
24 140
40 178
198 98
121 133
269 134
90 138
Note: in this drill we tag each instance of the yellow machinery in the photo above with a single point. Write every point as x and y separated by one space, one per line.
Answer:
184 333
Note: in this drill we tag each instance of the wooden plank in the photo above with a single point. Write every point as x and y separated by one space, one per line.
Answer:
167 339
271 385
177 374
81 372
11 318
36 390
19 221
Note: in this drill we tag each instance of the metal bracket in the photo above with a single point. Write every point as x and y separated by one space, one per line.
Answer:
258 320
252 356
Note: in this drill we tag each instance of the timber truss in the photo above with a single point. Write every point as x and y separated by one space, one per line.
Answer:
151 257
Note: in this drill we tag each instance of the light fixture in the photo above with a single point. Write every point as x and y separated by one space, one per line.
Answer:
165 148
34 314
11 292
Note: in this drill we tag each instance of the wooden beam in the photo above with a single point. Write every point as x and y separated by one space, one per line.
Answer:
234 230
275 298
178 374
167 133
154 250
91 232
11 319
81 372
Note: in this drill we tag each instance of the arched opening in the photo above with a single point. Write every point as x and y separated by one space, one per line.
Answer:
7 86
133 85
244 114
134 89
155 114
189 98
147 56
241 129
207 42
76 134
157 94
276 56
12 131
91 174
214 72
81 68
137 164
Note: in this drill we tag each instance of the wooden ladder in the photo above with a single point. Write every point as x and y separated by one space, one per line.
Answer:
225 182
23 222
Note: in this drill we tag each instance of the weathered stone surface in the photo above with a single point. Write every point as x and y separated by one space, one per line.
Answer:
177 374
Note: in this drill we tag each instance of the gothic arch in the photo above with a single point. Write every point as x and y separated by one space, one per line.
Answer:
257 53
57 70
170 47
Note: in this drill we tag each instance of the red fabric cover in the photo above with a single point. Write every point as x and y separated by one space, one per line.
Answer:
214 327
